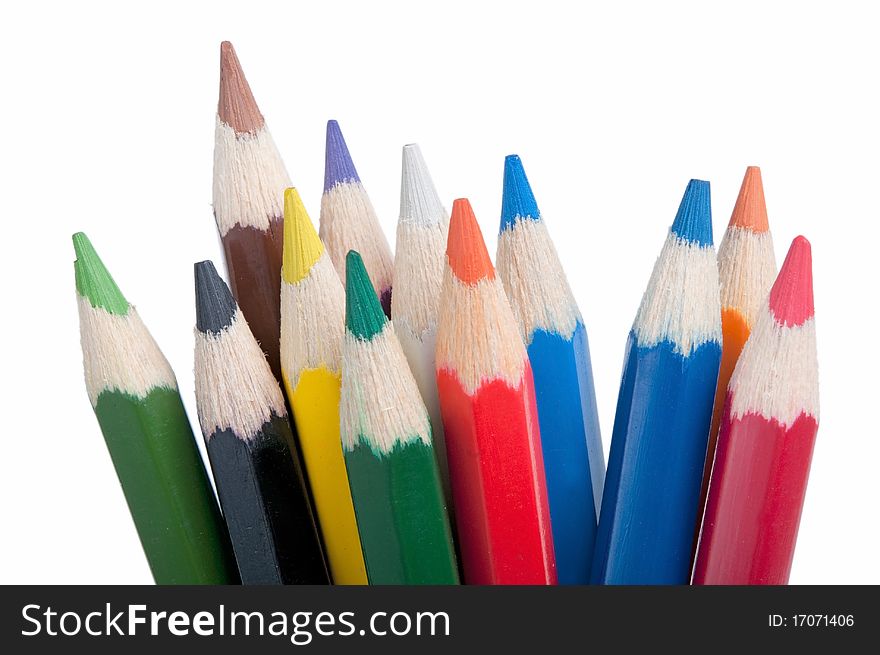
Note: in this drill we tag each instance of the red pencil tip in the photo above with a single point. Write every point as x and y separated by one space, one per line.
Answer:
465 249
236 107
750 210
791 298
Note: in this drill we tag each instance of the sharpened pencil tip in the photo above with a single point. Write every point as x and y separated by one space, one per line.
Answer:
750 210
364 316
791 298
93 280
420 203
465 248
215 306
517 200
693 222
236 106
302 245
338 166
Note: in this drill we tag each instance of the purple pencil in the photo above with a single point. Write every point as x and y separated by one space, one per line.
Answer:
348 220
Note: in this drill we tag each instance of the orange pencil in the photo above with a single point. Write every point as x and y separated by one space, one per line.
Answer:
746 270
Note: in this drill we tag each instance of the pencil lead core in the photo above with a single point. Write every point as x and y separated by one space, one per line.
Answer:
693 222
338 166
93 280
517 200
750 210
419 201
465 249
791 298
364 316
236 107
302 245
215 307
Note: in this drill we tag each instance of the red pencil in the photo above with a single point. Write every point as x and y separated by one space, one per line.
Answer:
487 401
762 462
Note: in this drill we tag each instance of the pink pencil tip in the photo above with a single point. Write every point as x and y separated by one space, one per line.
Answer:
791 298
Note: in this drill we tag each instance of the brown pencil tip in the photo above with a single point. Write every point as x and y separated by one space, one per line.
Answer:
465 248
236 107
750 210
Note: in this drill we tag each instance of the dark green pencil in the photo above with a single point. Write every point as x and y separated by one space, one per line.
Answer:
386 440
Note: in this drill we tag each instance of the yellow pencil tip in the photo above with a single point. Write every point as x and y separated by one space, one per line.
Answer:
302 245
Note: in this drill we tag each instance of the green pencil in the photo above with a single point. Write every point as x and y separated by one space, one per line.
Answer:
134 394
386 441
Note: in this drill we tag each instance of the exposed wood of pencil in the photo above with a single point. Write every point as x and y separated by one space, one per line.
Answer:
134 394
658 446
487 399
765 446
249 180
556 340
312 326
386 438
253 455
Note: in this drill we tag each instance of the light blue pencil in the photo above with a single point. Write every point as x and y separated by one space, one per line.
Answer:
554 334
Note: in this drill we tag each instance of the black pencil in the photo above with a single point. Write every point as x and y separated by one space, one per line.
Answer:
250 444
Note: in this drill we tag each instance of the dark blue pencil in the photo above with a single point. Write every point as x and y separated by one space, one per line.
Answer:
649 505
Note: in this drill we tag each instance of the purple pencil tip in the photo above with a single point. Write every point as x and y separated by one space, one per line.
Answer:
338 166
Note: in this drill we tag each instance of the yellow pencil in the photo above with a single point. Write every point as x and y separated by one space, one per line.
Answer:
312 327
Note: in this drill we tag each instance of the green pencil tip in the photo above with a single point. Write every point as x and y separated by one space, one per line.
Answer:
364 317
93 281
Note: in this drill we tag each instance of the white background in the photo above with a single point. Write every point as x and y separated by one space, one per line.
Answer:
108 118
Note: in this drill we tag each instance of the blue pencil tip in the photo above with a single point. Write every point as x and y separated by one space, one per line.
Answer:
338 166
517 199
693 222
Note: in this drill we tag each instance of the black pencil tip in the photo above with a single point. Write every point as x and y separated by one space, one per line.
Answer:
215 307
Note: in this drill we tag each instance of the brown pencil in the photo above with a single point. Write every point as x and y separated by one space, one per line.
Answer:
249 183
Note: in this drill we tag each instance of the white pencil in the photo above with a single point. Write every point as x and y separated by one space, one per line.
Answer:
419 260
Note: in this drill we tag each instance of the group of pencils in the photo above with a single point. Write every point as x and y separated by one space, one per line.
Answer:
422 418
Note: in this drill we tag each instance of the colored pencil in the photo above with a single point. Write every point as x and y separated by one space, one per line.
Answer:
249 181
552 327
386 438
746 270
487 399
418 277
250 445
771 416
658 445
134 394
348 220
312 327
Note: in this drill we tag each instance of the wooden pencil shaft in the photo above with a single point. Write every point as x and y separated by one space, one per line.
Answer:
249 440
262 492
166 487
556 339
664 408
754 507
134 394
493 446
649 507
401 515
315 403
389 454
253 259
567 417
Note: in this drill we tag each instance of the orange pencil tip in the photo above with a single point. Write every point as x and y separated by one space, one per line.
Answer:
750 210
465 249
